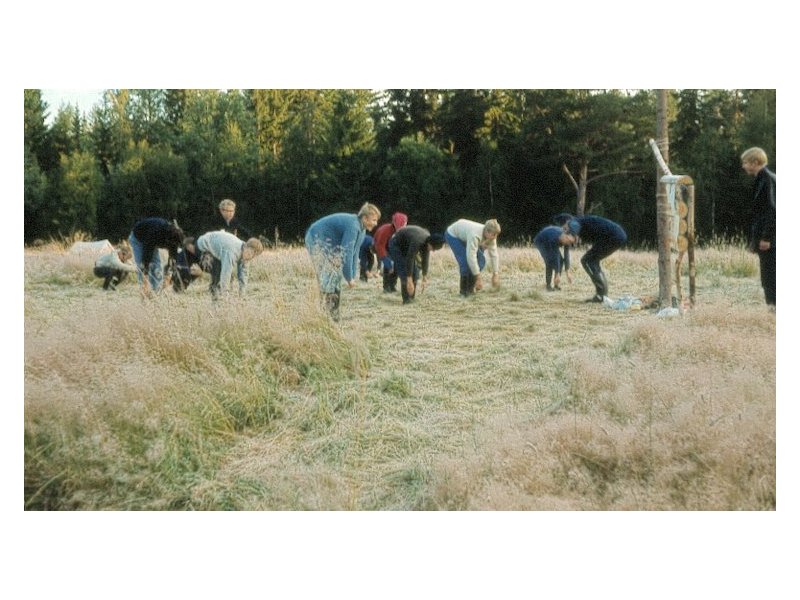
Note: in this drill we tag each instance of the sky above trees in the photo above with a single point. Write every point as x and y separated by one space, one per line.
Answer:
83 99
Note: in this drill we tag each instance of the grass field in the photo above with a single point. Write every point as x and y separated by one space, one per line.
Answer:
515 399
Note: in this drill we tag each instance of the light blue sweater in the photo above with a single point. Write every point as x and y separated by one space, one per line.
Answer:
227 249
338 233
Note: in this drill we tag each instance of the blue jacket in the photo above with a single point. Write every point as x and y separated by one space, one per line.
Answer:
546 241
339 232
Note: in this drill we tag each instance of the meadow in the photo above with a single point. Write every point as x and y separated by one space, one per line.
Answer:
514 399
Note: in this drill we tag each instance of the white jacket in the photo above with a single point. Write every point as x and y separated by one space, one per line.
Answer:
111 260
471 233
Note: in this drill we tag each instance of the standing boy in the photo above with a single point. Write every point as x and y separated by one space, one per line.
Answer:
762 227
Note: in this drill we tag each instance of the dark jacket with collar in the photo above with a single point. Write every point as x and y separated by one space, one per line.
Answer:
234 227
762 227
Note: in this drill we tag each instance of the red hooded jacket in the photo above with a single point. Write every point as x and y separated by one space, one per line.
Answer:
382 235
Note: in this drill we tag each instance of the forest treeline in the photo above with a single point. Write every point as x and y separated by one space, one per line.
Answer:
287 157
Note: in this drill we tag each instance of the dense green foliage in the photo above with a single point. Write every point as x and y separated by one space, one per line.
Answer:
288 157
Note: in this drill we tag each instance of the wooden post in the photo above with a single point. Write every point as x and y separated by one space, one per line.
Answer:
663 228
690 237
663 211
681 188
686 238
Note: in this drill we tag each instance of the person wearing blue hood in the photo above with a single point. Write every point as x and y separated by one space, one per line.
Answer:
606 237
549 242
408 246
333 242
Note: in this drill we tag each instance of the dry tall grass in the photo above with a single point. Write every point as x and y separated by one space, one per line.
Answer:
514 399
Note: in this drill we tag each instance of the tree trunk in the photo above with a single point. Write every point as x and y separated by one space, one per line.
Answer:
583 183
580 185
663 212
491 191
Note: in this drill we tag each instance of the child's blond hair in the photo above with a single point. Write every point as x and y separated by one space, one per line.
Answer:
368 209
755 156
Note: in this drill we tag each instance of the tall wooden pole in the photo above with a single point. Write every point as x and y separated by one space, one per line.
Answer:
663 212
690 238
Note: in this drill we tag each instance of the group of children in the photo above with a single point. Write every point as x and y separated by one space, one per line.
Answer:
339 242
340 246
334 243
226 249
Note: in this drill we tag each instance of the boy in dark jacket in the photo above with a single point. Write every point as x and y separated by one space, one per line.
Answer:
409 245
606 237
228 221
762 227
381 239
147 236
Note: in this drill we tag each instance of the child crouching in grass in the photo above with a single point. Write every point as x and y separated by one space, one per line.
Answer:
114 267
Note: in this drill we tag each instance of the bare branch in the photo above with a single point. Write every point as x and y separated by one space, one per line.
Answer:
571 178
